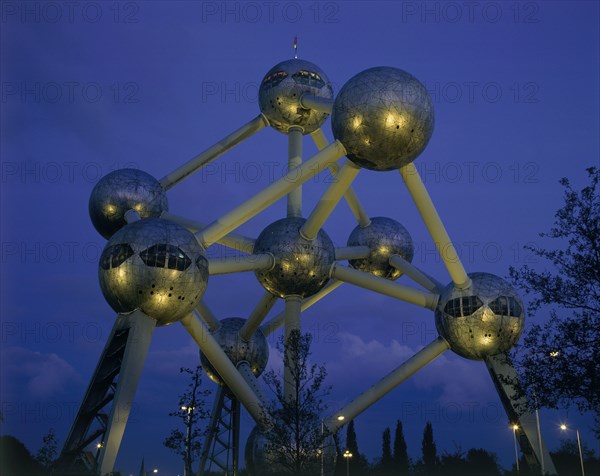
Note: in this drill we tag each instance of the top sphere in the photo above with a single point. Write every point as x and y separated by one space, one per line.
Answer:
123 190
383 117
280 92
483 320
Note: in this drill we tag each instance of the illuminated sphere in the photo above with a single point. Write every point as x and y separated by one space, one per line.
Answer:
385 237
255 351
301 266
280 92
484 320
156 266
383 117
262 460
120 191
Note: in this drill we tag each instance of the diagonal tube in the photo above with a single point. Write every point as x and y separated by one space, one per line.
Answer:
329 200
434 224
210 154
240 264
204 312
225 368
294 178
384 286
353 202
416 274
259 313
231 240
388 383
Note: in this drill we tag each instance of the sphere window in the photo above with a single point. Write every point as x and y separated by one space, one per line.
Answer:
462 306
506 306
115 255
275 78
166 256
308 78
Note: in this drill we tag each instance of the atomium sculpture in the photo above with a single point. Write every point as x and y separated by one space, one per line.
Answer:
154 271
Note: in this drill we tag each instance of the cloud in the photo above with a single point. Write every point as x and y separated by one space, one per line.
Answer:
37 374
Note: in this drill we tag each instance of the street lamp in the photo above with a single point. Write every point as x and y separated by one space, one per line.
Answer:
563 427
347 455
188 437
515 427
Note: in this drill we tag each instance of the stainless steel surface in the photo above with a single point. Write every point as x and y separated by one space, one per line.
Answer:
483 320
301 266
385 237
255 351
281 90
123 190
154 265
384 117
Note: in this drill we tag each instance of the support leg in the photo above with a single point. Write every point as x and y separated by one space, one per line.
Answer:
519 412
138 342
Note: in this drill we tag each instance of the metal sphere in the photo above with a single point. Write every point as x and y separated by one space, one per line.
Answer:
385 237
120 191
383 117
280 92
483 320
262 459
301 266
254 351
154 265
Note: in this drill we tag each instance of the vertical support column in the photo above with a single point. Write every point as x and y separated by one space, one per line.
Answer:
292 323
138 342
294 202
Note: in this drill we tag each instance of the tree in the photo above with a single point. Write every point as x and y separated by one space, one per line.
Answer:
387 462
401 461
16 460
46 455
295 436
566 459
561 357
191 410
428 448
358 462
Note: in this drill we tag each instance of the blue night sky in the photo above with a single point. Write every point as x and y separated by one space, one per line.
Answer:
104 85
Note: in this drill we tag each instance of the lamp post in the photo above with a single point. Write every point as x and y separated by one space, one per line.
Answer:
515 427
188 437
563 427
322 447
347 455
